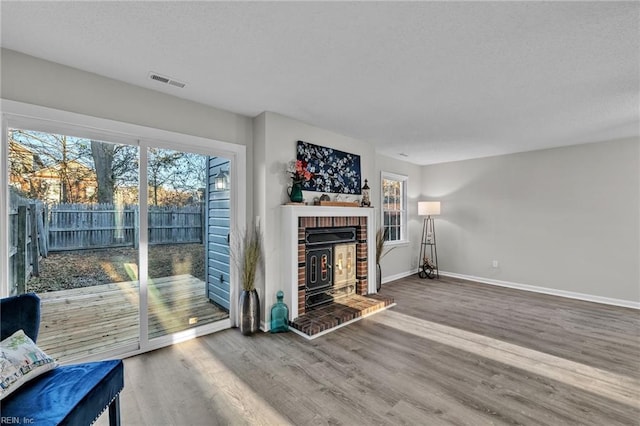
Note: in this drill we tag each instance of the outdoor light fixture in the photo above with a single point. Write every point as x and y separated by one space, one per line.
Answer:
221 181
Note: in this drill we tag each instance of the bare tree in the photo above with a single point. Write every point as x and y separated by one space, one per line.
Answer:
116 167
174 177
64 159
102 154
161 170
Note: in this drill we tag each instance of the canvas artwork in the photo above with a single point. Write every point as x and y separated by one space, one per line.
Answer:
333 171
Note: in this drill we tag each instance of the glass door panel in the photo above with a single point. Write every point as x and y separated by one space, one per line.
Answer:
73 240
184 240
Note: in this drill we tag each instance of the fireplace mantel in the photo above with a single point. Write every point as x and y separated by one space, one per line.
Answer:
290 217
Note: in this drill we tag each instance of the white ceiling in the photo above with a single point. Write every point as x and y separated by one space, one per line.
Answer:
437 81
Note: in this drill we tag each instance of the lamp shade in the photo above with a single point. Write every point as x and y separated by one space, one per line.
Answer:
428 208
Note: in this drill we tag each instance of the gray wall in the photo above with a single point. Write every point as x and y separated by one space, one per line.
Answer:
565 218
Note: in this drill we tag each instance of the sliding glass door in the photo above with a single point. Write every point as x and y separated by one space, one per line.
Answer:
73 227
117 271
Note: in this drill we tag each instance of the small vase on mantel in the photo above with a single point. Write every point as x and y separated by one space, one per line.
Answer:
295 192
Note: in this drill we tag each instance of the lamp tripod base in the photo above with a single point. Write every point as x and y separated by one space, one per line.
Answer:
428 265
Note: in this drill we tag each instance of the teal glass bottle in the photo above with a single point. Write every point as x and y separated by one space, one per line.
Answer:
279 315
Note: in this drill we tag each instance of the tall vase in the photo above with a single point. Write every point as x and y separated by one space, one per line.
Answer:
378 277
295 192
249 312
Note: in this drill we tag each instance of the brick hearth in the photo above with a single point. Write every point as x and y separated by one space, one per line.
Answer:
335 314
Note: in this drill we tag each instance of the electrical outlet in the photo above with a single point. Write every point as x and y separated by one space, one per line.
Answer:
495 264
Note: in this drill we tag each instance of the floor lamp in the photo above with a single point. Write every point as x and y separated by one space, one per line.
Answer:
428 209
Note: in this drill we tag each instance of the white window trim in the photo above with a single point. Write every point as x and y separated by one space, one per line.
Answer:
404 232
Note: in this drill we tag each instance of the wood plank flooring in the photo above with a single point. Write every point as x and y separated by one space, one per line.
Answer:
81 322
450 353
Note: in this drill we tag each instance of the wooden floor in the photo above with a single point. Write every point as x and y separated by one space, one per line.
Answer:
81 322
450 352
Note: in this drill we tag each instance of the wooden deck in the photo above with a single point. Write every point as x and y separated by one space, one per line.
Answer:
81 322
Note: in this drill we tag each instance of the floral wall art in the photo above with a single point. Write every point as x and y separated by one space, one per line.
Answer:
333 171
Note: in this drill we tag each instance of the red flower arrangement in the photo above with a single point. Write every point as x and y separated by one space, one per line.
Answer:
298 171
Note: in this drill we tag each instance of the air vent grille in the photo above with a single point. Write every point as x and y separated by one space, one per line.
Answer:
158 78
166 80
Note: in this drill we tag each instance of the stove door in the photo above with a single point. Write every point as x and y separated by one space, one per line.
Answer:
319 275
344 262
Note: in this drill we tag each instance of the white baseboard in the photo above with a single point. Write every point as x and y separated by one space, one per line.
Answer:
398 276
545 290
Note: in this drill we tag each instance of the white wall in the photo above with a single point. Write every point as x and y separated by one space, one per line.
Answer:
566 219
402 260
274 146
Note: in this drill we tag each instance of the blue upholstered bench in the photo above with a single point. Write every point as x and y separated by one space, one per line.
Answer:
67 395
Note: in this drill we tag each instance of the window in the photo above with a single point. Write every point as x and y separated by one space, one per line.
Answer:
394 207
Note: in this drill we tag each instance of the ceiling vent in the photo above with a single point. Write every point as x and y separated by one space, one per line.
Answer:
166 80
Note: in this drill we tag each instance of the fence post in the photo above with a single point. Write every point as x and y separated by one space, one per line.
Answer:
35 249
42 236
47 219
21 264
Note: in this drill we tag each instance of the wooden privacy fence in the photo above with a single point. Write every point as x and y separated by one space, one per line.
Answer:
171 225
27 243
87 226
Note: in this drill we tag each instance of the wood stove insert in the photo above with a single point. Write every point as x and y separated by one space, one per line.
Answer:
330 265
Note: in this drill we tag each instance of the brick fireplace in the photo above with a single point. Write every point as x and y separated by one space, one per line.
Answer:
306 271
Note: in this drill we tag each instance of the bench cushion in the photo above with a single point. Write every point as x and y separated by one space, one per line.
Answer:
68 395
